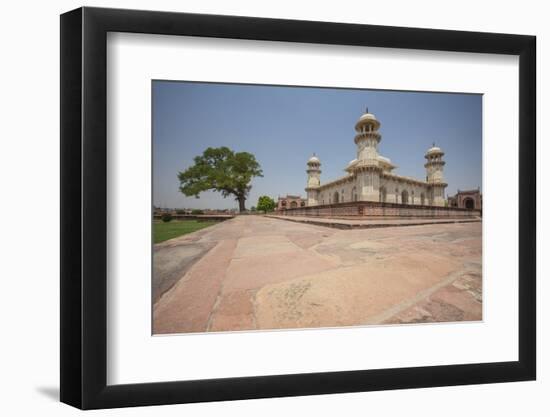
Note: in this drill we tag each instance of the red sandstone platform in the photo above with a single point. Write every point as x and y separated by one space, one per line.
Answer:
259 273
342 223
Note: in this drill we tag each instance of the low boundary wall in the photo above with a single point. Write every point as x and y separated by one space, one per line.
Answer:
200 217
371 209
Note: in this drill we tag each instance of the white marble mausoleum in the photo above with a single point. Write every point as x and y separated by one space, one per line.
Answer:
370 176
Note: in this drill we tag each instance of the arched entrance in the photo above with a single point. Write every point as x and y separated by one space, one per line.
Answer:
293 204
404 197
422 199
469 203
335 198
430 197
354 193
382 194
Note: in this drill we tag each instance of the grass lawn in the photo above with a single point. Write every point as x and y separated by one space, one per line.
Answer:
164 231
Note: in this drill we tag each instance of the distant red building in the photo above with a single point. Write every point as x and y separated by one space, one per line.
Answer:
468 199
290 201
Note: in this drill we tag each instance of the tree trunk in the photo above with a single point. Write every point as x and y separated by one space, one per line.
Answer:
241 200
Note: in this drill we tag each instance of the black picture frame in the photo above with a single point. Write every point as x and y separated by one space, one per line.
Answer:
84 207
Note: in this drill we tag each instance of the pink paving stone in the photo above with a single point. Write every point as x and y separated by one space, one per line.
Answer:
347 296
234 311
256 271
188 305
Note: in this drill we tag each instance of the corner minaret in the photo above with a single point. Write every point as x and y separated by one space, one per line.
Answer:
368 166
434 175
367 136
313 180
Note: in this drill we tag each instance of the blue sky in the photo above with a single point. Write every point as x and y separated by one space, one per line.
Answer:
284 126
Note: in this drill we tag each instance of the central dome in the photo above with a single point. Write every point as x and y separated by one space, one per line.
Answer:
367 119
434 150
314 160
366 116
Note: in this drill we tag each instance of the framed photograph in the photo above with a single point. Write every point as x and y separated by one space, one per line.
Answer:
259 208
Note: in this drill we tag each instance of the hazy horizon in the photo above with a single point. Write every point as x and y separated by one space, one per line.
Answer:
283 126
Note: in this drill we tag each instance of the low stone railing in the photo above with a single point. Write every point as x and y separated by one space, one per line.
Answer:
216 217
375 209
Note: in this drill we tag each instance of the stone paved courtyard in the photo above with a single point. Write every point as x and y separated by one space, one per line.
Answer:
254 272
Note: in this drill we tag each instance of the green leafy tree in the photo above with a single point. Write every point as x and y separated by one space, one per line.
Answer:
265 204
222 170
